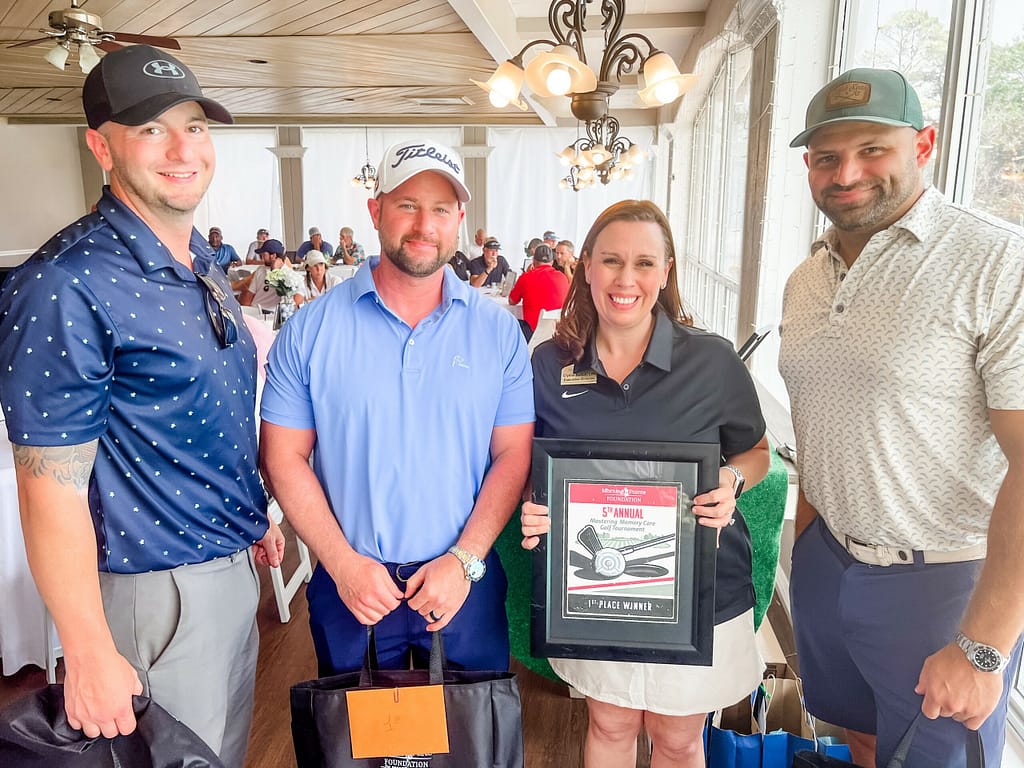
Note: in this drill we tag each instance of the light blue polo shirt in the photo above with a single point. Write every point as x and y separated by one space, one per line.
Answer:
403 416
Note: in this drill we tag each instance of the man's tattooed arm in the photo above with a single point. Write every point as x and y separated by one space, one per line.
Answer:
65 464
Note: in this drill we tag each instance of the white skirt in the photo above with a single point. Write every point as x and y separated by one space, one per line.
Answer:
673 689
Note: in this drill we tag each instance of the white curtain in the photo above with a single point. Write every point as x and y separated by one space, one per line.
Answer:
333 157
523 195
245 194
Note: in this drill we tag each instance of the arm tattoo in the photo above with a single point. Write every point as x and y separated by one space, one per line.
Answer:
65 464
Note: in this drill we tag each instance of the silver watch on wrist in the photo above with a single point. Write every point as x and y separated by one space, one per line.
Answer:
474 567
983 658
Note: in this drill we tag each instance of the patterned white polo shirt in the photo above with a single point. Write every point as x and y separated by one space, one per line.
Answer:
891 367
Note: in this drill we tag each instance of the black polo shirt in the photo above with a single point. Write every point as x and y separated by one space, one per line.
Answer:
690 387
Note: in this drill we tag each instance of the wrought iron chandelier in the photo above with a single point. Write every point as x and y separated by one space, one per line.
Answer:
602 155
563 70
367 177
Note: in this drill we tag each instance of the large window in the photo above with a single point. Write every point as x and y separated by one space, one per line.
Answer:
713 255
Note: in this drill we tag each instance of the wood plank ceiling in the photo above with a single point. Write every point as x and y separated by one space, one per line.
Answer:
278 61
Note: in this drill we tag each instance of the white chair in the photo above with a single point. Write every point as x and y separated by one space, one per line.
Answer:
284 591
554 314
544 331
343 271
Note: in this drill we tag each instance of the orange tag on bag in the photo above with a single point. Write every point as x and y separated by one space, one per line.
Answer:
387 722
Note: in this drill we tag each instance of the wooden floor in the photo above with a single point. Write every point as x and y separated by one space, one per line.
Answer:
553 724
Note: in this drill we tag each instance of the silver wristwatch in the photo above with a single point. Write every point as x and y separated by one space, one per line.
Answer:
740 480
471 564
983 658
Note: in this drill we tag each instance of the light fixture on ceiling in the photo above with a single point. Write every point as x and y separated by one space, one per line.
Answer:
563 69
58 55
367 177
602 155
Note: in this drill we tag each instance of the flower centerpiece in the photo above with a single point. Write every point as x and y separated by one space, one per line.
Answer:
286 283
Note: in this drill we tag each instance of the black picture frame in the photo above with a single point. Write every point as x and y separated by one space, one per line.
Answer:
609 499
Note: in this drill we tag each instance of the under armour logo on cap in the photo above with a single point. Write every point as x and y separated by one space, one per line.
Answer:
163 68
138 83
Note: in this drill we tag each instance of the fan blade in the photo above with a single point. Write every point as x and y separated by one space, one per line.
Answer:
31 42
109 46
159 42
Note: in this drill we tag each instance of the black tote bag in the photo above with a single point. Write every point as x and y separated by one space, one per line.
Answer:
34 733
975 752
485 728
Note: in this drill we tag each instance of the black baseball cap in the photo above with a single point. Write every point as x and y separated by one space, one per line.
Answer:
492 243
271 246
138 83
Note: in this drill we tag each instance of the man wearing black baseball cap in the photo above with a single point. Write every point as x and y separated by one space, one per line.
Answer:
490 268
129 396
902 342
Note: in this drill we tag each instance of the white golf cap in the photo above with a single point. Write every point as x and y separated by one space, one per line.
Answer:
405 159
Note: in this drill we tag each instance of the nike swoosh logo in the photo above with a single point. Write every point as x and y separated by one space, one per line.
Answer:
567 395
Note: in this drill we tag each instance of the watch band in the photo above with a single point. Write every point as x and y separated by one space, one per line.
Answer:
740 480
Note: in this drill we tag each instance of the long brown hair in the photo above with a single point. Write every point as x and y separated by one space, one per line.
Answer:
579 315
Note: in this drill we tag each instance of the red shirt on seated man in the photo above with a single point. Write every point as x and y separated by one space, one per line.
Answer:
540 287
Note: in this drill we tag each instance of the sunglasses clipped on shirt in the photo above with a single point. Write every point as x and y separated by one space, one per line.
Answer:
223 320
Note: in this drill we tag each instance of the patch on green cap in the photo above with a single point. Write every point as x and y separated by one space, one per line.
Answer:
868 95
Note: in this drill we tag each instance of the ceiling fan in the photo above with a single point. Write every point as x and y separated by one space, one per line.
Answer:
76 26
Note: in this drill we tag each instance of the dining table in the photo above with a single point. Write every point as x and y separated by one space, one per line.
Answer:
25 625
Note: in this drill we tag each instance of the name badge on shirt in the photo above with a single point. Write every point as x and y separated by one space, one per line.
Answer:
570 377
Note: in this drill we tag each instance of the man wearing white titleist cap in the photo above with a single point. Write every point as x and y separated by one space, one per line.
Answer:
130 393
409 488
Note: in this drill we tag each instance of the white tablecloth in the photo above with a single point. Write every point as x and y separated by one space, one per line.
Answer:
22 618
494 294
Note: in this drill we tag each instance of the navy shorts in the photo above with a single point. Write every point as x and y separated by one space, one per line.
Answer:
863 633
476 638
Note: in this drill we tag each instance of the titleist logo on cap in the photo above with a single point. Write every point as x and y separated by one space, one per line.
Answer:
162 68
413 151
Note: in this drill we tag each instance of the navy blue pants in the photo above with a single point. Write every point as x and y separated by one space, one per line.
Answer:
476 638
863 633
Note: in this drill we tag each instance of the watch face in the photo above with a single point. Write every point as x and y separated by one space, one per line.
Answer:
986 659
475 570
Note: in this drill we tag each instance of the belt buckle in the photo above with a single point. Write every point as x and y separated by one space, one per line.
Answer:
881 555
400 566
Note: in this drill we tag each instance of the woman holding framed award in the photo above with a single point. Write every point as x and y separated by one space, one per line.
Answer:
626 364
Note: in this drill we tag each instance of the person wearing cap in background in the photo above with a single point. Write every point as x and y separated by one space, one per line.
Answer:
489 269
550 240
224 255
129 394
316 242
540 287
404 499
317 281
902 349
251 257
253 289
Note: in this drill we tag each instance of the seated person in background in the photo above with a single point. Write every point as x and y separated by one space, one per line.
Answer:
317 281
254 289
540 287
348 250
316 242
251 257
550 239
460 265
565 258
623 328
224 254
476 248
489 269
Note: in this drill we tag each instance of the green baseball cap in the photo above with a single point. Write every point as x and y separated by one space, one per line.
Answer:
867 95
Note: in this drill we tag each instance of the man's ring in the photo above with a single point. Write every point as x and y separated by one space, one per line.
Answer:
434 617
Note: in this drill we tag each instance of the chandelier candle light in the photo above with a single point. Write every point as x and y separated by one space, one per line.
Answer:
563 71
367 177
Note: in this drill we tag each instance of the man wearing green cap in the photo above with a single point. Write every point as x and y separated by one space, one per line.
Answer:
903 353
